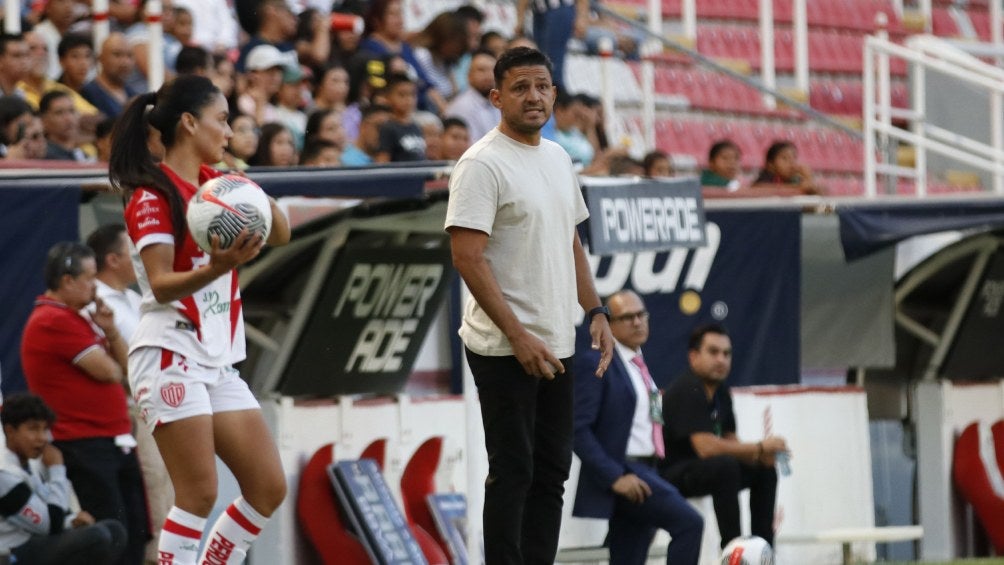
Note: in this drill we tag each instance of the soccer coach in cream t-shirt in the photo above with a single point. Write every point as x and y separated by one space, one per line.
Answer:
514 205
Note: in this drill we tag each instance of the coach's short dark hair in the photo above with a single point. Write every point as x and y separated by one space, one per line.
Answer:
25 407
697 336
65 258
105 240
521 57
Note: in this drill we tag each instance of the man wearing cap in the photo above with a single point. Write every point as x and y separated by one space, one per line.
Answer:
265 66
276 28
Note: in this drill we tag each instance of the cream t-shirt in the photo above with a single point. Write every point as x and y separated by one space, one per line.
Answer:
527 199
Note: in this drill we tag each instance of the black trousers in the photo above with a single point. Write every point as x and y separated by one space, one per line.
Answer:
109 485
723 477
528 436
101 542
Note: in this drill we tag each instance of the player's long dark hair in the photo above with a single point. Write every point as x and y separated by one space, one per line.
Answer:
131 165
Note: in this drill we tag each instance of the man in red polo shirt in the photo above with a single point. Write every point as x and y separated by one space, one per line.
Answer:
77 364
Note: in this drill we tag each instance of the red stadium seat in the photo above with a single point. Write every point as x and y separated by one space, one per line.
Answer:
417 483
977 482
318 512
942 23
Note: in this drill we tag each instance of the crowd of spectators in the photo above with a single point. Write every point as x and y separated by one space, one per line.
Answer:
348 87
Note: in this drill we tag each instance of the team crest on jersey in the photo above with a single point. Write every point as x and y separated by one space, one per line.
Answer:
173 394
146 195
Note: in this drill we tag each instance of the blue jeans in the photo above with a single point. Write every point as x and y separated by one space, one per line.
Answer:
109 485
551 31
528 436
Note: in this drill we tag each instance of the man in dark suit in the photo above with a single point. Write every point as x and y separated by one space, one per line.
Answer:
618 437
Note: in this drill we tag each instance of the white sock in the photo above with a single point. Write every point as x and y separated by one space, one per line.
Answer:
232 534
179 538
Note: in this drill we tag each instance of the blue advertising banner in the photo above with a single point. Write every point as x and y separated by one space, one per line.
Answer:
747 278
650 215
449 512
33 218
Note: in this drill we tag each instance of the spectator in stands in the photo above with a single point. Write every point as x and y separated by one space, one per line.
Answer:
76 60
15 118
567 110
289 102
432 132
109 91
265 66
400 137
320 153
473 105
438 47
345 41
623 165
367 144
276 27
224 76
327 125
454 140
38 526
62 127
590 120
77 363
14 59
618 437
59 16
214 28
724 165
138 36
472 18
313 38
110 244
331 89
103 139
657 164
703 455
384 36
493 42
243 145
554 23
781 168
275 148
193 60
36 82
183 25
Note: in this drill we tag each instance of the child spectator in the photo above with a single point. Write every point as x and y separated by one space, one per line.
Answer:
656 164
400 138
275 148
723 169
37 525
320 153
432 132
454 140
782 169
76 60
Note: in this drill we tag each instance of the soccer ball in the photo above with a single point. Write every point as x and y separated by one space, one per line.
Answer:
225 205
750 550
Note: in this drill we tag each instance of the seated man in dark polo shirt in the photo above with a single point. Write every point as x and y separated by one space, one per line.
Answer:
703 455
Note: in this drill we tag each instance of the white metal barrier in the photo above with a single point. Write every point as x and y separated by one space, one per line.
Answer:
923 53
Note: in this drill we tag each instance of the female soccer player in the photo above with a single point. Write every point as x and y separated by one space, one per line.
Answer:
191 329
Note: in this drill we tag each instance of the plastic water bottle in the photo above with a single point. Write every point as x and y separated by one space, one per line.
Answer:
783 463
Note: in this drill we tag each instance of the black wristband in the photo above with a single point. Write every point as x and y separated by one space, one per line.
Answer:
599 310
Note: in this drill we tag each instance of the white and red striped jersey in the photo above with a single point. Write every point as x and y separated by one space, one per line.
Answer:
206 327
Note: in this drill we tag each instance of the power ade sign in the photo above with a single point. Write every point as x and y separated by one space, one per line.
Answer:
369 321
648 216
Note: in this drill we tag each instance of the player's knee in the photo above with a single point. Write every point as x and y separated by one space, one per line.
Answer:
268 496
